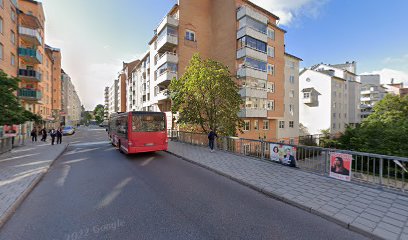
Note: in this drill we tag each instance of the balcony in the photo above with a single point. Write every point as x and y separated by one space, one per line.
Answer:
253 92
29 21
250 52
167 43
168 21
29 75
247 11
29 94
165 78
30 56
163 95
31 36
248 31
253 113
167 57
251 72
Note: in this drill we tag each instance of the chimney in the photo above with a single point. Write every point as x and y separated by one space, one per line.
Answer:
392 80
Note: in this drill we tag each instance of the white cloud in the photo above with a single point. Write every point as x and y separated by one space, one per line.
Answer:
288 10
387 74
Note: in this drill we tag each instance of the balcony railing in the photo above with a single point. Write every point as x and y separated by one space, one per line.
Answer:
253 53
247 11
252 72
167 57
248 31
166 43
253 113
30 35
30 55
26 74
166 77
29 94
253 92
168 21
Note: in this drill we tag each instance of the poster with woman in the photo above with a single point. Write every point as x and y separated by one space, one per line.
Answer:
284 154
340 166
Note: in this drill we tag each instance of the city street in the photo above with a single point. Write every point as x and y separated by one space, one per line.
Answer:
94 192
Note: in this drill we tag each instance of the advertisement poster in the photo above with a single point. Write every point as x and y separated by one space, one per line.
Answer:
340 166
283 154
10 131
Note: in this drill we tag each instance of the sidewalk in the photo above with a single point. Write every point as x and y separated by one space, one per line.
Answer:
20 170
372 212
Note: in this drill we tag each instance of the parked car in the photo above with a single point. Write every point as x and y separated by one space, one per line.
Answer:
68 130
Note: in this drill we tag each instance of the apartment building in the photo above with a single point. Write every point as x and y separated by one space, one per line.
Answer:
113 97
71 103
238 33
106 106
396 88
8 37
371 92
330 98
288 126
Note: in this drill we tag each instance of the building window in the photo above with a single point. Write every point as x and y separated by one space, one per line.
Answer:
13 59
271 52
291 124
334 126
255 64
1 25
292 93
292 141
334 115
247 125
255 124
291 109
12 37
190 36
13 15
306 95
281 124
271 33
271 69
271 87
1 4
251 43
1 51
271 105
265 124
292 79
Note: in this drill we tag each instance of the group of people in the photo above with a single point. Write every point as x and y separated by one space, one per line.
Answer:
44 133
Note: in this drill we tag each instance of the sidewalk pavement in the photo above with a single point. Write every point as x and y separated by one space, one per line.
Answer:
20 170
372 212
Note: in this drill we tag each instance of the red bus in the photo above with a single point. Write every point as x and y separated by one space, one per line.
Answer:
136 132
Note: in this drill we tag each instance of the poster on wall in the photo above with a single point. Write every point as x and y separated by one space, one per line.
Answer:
340 166
284 154
10 131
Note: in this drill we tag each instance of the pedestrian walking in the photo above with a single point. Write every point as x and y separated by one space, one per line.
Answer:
34 135
211 138
44 134
59 136
53 134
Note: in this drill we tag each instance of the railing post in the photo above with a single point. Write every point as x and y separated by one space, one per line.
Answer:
381 172
326 158
262 150
241 145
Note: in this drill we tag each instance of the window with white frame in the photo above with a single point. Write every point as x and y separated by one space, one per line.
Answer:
292 79
190 35
291 108
13 15
281 124
271 33
271 105
292 93
1 25
291 124
247 149
306 95
265 124
13 59
271 87
292 141
255 124
271 69
12 37
247 125
271 52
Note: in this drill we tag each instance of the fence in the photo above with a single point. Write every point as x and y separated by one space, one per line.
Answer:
5 144
379 170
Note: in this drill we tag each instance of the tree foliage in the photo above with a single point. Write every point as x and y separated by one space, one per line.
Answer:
98 113
383 132
207 97
11 111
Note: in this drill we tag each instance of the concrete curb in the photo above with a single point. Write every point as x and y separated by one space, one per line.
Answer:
284 199
13 208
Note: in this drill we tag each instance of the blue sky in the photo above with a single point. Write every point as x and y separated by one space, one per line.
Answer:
96 36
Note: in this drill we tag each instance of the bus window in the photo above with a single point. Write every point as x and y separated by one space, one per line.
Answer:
148 123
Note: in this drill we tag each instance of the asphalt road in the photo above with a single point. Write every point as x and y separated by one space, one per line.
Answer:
95 192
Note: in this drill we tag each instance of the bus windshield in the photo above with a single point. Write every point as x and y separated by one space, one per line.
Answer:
148 123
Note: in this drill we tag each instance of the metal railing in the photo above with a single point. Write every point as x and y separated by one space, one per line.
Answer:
382 171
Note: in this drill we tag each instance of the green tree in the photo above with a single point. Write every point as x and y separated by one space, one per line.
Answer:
207 97
98 113
383 132
10 108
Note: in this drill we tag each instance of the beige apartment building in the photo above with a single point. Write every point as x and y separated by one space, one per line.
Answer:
238 33
8 37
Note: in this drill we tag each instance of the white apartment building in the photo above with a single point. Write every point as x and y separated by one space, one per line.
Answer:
71 104
288 130
330 98
106 106
371 92
113 98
